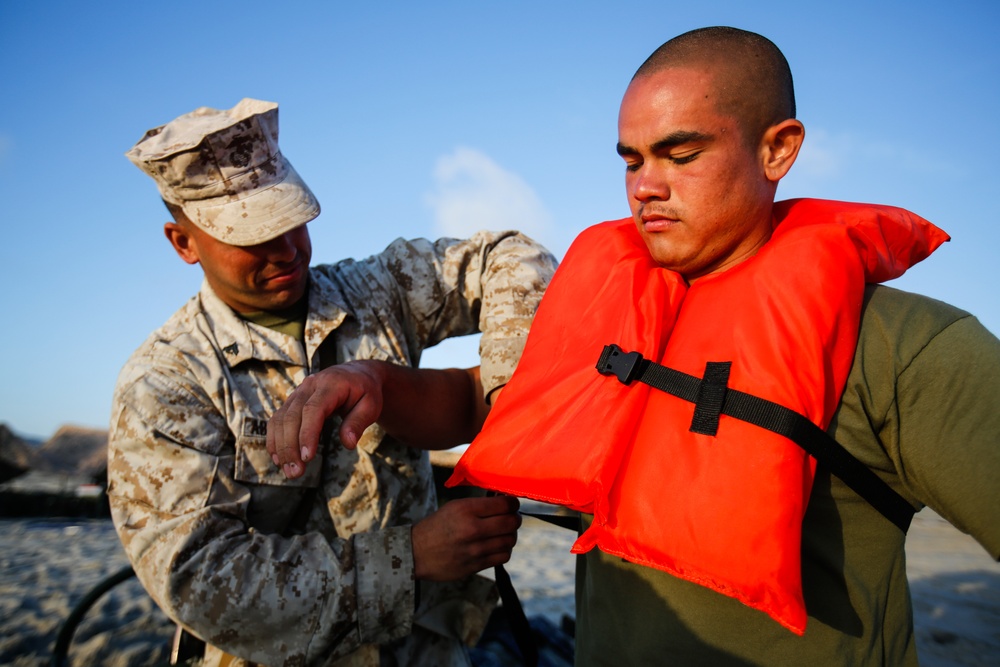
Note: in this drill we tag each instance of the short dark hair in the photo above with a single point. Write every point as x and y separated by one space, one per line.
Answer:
176 212
754 80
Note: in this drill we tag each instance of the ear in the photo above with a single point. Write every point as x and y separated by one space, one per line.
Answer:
780 146
182 241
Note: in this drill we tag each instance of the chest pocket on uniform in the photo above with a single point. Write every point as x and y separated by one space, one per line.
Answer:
253 464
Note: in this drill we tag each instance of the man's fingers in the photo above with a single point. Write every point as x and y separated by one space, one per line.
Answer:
284 428
485 556
497 528
458 540
501 545
279 443
357 418
483 522
314 413
494 505
296 428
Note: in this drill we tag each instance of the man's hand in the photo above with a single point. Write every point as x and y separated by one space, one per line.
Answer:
465 536
423 407
352 390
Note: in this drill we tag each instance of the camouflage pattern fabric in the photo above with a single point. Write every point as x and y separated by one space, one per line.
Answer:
316 570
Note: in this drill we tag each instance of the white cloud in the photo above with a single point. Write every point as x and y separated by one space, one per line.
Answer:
472 192
845 157
822 156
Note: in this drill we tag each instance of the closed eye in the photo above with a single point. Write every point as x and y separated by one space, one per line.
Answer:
684 157
631 156
632 165
683 146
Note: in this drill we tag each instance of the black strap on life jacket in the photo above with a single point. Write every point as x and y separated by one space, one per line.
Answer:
712 397
510 604
569 521
519 625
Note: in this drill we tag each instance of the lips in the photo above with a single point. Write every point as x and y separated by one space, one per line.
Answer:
652 215
657 223
290 274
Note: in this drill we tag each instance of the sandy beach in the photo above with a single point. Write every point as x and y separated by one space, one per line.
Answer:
47 566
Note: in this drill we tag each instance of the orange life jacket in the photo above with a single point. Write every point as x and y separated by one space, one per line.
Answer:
724 511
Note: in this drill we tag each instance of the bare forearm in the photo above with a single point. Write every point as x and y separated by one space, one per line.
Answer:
431 408
427 408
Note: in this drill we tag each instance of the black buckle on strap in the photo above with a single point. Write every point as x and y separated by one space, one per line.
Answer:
625 365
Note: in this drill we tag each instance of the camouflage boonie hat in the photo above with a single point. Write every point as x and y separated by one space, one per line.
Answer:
225 171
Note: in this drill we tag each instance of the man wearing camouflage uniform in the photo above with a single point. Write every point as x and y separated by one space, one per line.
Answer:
344 559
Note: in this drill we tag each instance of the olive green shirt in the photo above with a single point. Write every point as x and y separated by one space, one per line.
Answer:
922 409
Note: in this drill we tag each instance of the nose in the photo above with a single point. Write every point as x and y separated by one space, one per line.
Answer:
281 249
649 183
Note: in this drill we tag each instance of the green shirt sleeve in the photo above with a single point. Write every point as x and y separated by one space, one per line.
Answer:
947 418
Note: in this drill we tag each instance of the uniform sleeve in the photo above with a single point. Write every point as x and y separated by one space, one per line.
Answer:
490 283
183 518
948 416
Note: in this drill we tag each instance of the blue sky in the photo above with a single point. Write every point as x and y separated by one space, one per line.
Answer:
432 119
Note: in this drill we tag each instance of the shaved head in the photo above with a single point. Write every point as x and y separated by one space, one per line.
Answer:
752 79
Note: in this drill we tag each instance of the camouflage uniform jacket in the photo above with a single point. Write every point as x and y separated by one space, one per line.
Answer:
316 570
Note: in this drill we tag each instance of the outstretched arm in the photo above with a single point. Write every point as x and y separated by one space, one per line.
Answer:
426 408
491 283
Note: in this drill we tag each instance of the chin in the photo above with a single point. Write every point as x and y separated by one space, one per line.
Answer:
283 300
663 256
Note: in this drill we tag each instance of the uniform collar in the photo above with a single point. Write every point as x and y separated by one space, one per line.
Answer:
327 309
240 340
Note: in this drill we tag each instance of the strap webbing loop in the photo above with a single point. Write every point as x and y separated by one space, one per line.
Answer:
711 398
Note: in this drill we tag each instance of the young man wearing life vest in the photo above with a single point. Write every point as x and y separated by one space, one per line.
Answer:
666 344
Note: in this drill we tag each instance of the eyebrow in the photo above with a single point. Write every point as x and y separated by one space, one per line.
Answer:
666 143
